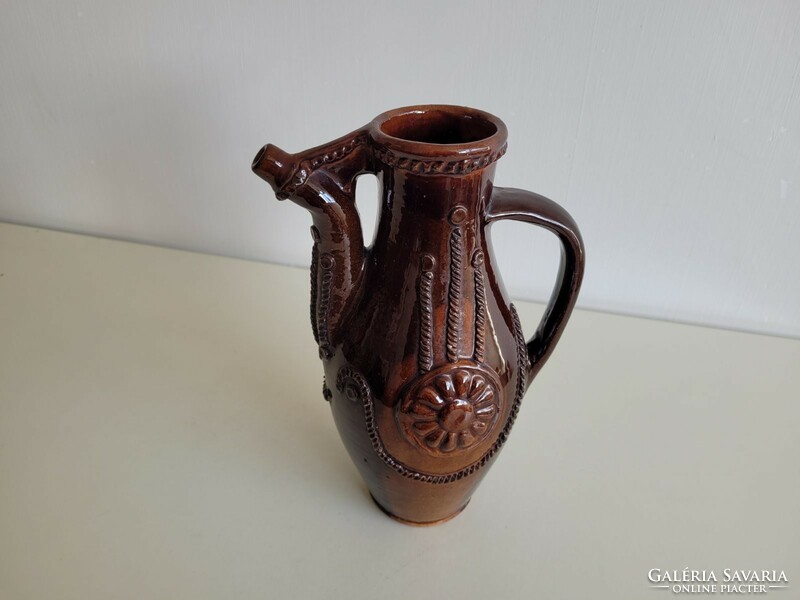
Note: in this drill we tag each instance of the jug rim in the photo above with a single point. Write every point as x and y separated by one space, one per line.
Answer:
440 131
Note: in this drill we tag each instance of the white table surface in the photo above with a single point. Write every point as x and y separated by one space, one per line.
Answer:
163 435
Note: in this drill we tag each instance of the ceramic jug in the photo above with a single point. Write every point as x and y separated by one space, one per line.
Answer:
425 360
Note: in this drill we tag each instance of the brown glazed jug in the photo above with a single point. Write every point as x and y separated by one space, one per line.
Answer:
424 357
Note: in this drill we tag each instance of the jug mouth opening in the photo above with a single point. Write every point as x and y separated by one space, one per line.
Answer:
440 131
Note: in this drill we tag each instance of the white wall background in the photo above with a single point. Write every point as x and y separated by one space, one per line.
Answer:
670 130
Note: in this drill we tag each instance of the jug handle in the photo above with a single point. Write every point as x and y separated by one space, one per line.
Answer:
528 207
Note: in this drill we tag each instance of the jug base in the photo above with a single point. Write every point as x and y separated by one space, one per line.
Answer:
418 523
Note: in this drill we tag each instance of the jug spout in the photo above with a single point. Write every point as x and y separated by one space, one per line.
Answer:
274 166
322 180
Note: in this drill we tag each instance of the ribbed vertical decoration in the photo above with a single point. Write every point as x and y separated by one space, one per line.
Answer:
480 307
454 296
425 353
326 262
522 366
314 285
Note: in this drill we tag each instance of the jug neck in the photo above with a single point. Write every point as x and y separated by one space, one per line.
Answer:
425 200
436 140
435 162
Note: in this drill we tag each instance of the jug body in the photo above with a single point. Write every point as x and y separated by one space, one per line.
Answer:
424 356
